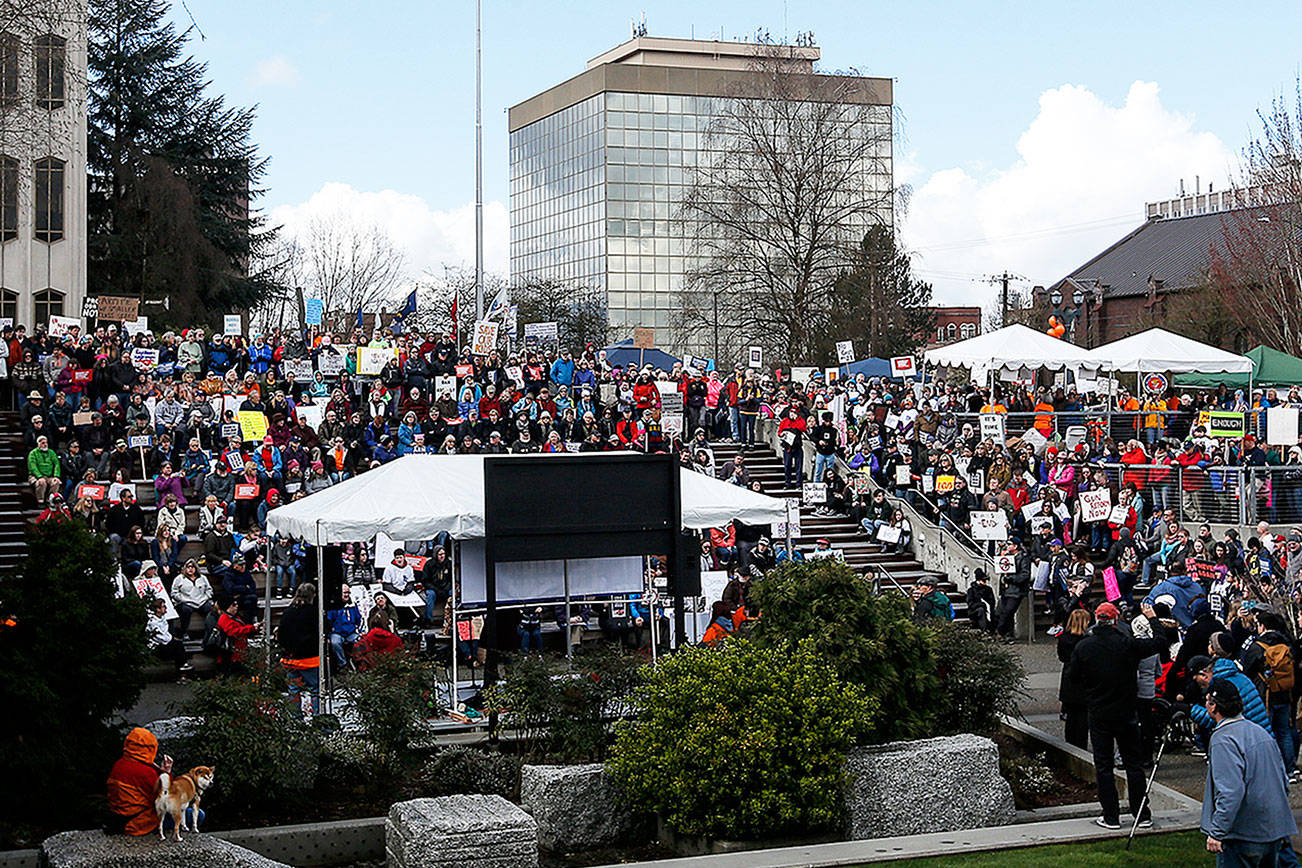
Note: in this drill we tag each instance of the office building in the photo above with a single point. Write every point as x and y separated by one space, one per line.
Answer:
599 164
43 161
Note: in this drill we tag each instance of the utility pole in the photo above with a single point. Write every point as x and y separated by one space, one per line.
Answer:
479 171
1003 299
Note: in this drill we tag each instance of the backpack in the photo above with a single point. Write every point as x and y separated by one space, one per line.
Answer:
215 640
1279 673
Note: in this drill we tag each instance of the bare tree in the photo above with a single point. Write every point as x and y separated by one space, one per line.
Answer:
1257 266
579 312
349 265
798 170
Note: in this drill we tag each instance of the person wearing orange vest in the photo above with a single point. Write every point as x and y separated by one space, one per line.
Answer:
131 783
1044 415
722 624
299 636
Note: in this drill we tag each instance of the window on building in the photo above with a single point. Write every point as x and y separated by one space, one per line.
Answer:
50 52
9 305
951 330
9 59
49 302
967 330
49 200
8 199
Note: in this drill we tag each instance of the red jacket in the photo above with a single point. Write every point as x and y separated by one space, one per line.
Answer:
375 644
1139 477
1192 477
646 396
239 633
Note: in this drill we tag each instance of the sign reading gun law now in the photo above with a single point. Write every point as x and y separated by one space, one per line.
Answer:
1224 423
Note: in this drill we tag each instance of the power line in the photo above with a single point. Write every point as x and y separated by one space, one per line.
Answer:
1065 229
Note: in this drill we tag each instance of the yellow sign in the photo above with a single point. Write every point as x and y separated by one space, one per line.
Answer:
944 484
253 424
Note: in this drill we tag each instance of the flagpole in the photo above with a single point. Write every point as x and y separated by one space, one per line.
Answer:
479 172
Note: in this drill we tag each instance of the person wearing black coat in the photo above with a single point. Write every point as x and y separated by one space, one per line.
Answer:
1196 639
1015 586
299 636
980 599
1074 709
1104 666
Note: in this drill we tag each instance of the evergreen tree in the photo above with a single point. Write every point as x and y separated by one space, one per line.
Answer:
173 171
880 305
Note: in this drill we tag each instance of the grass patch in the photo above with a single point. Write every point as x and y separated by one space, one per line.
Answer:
1176 848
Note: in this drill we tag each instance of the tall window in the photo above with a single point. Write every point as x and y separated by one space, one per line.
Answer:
49 199
49 302
50 52
9 305
9 48
8 199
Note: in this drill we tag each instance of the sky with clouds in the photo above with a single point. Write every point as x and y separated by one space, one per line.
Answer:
1030 134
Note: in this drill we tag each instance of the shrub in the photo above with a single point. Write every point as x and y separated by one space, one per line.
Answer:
264 752
745 741
459 769
979 679
390 701
869 640
72 656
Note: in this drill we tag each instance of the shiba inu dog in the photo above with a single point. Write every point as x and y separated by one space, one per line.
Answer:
174 795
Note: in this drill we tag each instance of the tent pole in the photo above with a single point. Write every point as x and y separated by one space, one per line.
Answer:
266 612
453 635
322 672
569 645
649 597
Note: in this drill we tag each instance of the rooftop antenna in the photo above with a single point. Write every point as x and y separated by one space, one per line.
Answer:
639 27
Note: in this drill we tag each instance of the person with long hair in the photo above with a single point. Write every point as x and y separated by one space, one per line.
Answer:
1076 729
299 637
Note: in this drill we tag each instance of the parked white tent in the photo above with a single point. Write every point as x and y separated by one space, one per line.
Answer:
1011 348
418 496
1161 351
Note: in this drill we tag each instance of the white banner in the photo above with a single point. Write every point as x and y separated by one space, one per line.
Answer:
1095 505
989 525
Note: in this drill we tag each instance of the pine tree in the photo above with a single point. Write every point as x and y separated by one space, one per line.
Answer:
880 305
173 171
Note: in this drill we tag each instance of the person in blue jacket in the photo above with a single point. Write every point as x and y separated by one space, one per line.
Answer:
1184 591
562 372
1204 670
345 625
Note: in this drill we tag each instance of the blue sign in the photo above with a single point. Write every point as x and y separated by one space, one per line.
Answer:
313 310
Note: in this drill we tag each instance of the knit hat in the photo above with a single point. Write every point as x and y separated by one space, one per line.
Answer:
1223 644
1107 612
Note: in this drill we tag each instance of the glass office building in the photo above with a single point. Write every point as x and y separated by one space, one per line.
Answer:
600 162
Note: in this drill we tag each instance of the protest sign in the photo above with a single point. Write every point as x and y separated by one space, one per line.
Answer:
516 374
814 492
945 483
82 376
117 308
371 360
232 324
1223 423
140 441
1282 426
903 366
540 336
792 523
89 308
644 339
845 352
246 491
1118 515
831 375
152 586
756 357
485 337
91 490
330 364
903 475
253 424
672 426
1005 565
465 370
144 358
1041 522
1095 505
992 427
137 326
83 418
976 481
989 525
311 414
229 430
445 385
63 325
313 310
888 534
297 370
1032 509
802 375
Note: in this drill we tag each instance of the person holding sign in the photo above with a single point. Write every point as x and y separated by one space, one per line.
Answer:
1016 586
791 432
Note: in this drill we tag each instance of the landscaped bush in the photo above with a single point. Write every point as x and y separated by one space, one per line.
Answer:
265 754
745 741
459 769
390 702
869 640
979 679
72 656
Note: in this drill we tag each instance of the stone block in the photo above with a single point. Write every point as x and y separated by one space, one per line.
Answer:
99 850
578 808
932 785
478 830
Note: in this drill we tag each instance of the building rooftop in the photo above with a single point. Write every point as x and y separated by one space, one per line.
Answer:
701 53
1172 251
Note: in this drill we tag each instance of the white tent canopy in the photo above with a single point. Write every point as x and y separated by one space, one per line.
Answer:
417 496
1160 351
1011 347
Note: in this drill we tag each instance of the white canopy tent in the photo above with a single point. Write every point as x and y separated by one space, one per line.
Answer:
1011 348
419 496
1161 351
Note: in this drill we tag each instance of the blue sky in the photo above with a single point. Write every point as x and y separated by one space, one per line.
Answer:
1021 121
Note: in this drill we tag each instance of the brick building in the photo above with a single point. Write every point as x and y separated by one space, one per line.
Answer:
953 324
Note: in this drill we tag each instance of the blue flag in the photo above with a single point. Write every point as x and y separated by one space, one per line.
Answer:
408 309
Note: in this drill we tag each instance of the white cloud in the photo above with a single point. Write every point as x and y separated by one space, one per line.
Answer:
1083 172
278 71
430 239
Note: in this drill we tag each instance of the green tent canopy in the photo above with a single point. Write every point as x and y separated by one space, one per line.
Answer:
1269 368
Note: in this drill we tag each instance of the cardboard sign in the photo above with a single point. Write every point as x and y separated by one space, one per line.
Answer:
845 352
232 324
246 491
445 385
814 492
644 339
992 427
253 424
93 491
756 358
140 441
903 475
330 364
117 308
1282 426
516 374
465 370
485 337
63 325
989 525
298 370
903 366
1118 515
1223 423
1032 509
152 586
1095 505
371 360
83 418
313 311
1005 565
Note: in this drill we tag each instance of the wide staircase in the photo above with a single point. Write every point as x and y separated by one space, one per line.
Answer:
859 550
15 493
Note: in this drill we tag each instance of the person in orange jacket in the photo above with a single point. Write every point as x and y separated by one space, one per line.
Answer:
722 624
131 784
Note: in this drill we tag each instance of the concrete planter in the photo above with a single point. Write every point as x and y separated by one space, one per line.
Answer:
578 808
